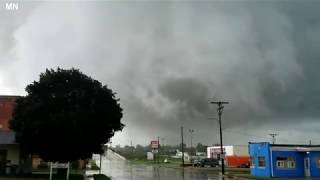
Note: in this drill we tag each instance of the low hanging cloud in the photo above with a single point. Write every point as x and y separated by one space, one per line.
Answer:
167 61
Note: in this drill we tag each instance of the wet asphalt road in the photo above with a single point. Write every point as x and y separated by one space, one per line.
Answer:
119 169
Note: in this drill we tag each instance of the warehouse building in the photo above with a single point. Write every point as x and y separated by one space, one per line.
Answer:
283 160
235 155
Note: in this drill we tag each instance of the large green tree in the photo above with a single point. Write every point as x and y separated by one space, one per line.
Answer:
66 116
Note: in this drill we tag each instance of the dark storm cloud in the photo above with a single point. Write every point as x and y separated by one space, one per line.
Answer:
187 91
167 61
300 99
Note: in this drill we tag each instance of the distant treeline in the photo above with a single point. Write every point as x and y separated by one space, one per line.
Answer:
140 152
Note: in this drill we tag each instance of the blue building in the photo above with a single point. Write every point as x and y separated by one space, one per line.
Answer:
283 160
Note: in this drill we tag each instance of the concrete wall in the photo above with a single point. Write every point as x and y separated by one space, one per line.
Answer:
214 150
13 154
235 150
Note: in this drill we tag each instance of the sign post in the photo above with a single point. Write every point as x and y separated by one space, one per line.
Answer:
155 148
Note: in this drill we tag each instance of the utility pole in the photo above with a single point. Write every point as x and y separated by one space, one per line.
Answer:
158 154
191 131
273 135
182 148
220 110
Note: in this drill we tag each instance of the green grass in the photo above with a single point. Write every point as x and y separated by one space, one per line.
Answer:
41 177
100 177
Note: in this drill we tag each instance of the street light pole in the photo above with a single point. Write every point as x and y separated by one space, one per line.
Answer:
220 109
191 131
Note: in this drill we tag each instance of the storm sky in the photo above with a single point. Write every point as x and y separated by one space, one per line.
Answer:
168 60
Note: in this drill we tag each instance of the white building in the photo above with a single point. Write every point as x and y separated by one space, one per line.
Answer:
150 156
179 155
235 150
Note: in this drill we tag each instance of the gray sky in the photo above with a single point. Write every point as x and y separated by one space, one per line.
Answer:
167 60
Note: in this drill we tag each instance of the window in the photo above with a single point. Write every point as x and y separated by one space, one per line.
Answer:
280 164
286 163
261 161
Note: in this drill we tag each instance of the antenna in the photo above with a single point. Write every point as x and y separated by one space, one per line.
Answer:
273 135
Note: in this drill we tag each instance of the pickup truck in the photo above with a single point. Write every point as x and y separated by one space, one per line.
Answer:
209 162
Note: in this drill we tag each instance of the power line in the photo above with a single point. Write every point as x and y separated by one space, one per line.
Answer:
262 137
246 134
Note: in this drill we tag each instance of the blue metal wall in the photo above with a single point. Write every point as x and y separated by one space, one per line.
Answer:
314 170
256 150
263 149
281 172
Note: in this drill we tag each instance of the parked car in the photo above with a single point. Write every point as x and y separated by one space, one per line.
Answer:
209 162
245 165
196 162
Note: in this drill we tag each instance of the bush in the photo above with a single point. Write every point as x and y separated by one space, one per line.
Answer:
75 165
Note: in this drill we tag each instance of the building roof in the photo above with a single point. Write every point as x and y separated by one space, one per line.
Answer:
294 145
7 137
288 145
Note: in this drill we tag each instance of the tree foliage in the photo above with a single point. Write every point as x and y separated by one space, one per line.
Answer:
65 116
201 148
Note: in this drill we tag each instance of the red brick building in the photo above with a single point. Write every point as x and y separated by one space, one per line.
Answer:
9 149
6 109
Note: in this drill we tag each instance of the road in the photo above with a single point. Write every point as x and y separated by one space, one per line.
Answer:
119 169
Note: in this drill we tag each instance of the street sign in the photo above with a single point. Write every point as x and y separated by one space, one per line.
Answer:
154 150
59 165
154 144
